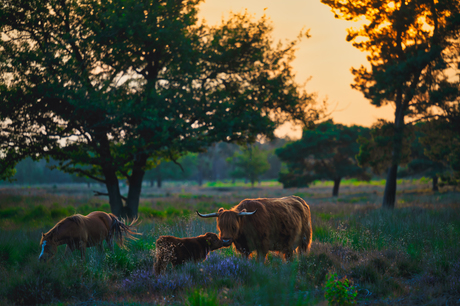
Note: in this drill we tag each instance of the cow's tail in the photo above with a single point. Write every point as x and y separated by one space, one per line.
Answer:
119 230
305 245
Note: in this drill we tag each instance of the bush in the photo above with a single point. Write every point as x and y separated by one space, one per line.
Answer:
315 268
339 291
201 298
40 283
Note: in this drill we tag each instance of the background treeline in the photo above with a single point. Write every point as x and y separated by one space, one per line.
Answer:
220 162
328 152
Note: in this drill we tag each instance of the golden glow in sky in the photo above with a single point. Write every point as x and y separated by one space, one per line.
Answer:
325 57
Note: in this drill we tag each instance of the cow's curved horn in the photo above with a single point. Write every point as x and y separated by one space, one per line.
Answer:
247 213
207 215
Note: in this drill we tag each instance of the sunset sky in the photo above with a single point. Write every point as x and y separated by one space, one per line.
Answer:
325 57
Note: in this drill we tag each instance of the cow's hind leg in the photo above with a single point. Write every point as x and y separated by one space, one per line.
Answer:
305 244
82 248
288 254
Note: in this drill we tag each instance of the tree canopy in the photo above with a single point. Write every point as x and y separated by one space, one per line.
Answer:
251 163
420 164
110 87
412 50
327 152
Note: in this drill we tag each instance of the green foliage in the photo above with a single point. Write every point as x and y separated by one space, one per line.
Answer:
380 250
325 153
169 212
375 150
200 298
340 291
315 268
29 171
120 259
128 84
409 61
441 142
251 163
7 172
181 169
44 284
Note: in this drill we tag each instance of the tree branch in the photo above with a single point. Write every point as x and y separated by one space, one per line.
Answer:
98 194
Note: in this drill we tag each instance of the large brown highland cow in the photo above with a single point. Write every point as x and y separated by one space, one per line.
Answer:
177 251
263 225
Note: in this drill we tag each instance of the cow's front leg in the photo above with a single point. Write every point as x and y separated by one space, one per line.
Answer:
82 248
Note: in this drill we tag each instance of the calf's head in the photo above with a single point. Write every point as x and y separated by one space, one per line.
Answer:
213 241
228 223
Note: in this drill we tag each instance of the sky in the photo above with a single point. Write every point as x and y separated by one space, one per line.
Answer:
324 60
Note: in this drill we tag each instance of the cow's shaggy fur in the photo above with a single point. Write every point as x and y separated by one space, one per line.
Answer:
278 224
80 232
177 251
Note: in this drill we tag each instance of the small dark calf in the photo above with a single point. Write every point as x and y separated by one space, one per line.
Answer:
177 251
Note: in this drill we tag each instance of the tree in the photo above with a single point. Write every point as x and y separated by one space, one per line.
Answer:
182 169
410 45
120 85
420 164
251 163
442 144
327 152
376 148
442 133
272 158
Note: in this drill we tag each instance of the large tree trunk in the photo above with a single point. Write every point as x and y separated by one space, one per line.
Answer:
389 196
159 180
335 189
113 189
200 174
135 188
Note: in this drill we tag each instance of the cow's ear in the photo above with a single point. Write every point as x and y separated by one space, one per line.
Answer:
220 210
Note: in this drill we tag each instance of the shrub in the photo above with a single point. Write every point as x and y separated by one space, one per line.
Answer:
201 298
339 291
10 212
366 273
407 268
314 268
121 260
40 283
144 280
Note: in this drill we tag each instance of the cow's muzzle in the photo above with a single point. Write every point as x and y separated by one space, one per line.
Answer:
226 242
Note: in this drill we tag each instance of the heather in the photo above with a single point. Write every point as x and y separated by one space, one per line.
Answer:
408 255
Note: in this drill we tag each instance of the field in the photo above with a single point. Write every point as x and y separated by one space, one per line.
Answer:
360 253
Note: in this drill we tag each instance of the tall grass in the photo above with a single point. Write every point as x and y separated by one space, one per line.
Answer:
408 256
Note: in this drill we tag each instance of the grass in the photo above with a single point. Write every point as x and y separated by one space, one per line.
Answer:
408 256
